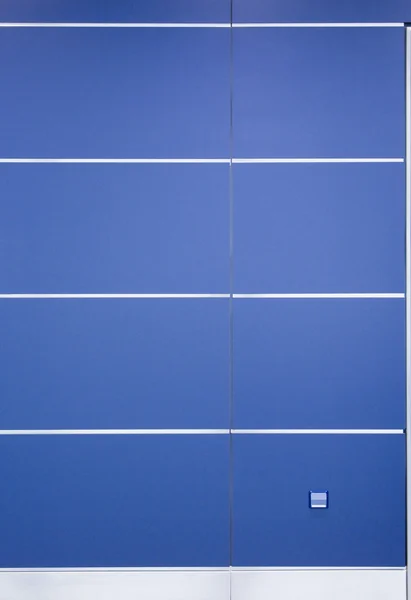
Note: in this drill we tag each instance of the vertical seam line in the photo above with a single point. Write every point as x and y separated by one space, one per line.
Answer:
231 316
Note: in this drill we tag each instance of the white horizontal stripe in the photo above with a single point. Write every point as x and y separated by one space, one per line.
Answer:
122 25
193 296
366 295
243 569
193 25
197 431
183 569
114 431
317 431
195 160
125 161
315 160
113 296
107 569
318 25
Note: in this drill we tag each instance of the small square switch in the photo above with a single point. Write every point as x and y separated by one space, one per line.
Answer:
319 499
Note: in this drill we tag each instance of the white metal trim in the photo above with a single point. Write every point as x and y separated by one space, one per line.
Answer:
21 432
141 25
196 296
185 569
364 296
226 161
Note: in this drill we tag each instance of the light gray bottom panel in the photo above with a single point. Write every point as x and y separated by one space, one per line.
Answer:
115 585
319 585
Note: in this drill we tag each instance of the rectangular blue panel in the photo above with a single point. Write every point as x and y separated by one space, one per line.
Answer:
114 92
114 228
114 501
112 363
318 92
364 524
321 11
156 11
323 363
301 228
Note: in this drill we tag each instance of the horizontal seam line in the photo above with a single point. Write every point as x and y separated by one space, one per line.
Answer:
317 431
28 296
364 295
143 161
189 569
25 160
315 160
205 24
110 569
318 24
131 25
17 432
112 296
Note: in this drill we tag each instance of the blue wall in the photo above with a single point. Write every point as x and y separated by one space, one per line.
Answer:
204 228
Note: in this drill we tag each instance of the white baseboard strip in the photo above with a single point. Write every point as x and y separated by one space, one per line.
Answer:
203 584
310 584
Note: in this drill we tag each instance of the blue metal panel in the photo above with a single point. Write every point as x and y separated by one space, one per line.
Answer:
174 11
364 523
318 92
322 11
319 228
336 363
114 363
114 229
114 92
95 501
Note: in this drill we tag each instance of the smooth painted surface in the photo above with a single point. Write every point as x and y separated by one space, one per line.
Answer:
318 93
319 228
113 11
114 93
157 585
320 363
408 286
98 501
363 524
321 11
111 363
318 585
114 228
